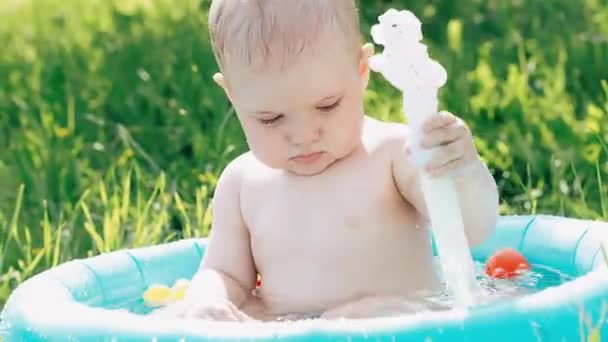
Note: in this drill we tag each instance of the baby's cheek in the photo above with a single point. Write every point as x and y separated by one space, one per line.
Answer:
347 131
267 149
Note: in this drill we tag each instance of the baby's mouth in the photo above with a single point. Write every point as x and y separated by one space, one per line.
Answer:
307 158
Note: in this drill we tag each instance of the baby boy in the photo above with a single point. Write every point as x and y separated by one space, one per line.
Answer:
326 206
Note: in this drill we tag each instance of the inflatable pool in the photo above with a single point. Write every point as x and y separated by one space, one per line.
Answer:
81 300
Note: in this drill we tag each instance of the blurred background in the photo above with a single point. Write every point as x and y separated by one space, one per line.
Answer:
113 134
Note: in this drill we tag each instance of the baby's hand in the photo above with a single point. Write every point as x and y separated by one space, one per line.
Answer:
452 142
215 309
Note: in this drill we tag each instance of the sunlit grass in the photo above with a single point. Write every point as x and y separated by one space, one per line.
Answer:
112 133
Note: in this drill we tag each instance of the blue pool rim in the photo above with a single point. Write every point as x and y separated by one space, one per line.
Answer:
69 302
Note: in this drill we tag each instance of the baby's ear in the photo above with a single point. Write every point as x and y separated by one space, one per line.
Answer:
367 51
221 81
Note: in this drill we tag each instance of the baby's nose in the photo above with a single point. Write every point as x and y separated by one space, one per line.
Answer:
305 134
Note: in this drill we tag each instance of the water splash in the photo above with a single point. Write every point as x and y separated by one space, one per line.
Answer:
4 330
405 63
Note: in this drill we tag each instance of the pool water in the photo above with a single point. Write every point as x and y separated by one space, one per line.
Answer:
535 280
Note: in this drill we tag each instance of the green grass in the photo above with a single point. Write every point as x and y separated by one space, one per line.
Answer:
112 133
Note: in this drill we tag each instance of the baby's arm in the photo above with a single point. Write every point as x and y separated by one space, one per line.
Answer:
477 191
227 272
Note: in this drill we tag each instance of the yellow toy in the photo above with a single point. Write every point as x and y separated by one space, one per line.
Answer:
160 295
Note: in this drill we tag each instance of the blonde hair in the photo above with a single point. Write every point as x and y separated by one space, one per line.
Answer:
263 33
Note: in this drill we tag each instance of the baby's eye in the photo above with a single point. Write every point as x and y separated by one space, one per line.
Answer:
268 122
330 107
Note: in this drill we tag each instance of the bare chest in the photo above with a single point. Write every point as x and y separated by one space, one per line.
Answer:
294 215
335 237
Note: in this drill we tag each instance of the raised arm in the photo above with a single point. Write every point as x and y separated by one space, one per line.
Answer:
457 156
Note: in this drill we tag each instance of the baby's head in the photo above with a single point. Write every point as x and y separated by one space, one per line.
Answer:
295 73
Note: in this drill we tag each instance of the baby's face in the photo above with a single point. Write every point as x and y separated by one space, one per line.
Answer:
306 116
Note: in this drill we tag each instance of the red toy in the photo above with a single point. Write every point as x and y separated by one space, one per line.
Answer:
506 263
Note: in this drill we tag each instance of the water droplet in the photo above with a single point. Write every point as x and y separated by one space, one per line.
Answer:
563 187
557 163
97 146
143 75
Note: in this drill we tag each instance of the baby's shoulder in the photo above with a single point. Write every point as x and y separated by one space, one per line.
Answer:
381 135
243 169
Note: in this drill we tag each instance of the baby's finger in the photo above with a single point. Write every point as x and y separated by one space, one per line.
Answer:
445 154
443 136
447 168
239 315
438 121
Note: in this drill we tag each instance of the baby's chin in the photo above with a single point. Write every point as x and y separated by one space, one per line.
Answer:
311 168
326 161
305 167
293 167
